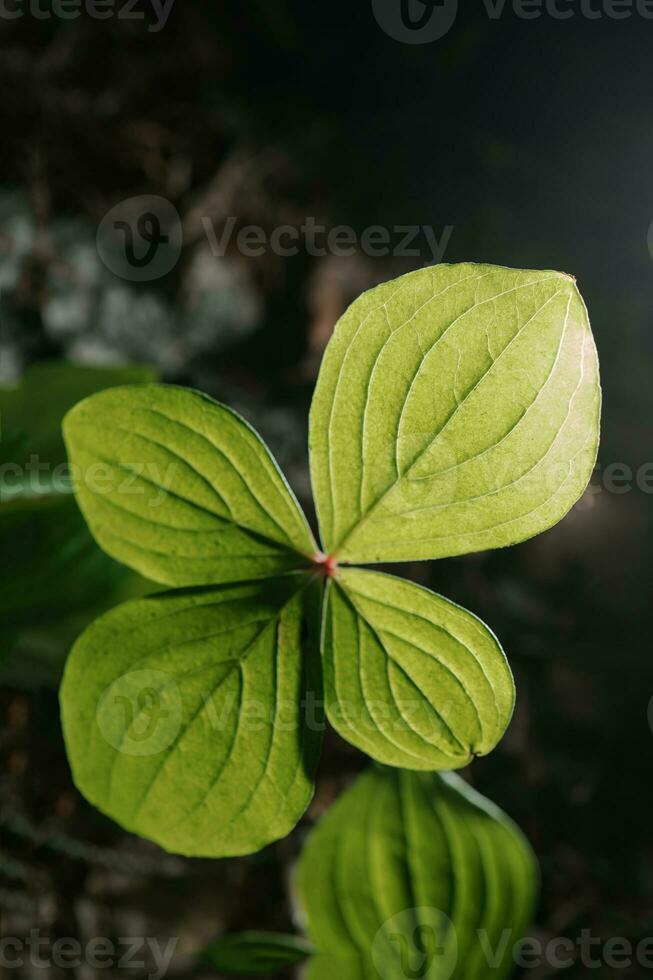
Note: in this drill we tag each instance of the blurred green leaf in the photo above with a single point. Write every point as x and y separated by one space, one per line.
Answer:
255 952
53 576
50 564
403 872
53 580
31 413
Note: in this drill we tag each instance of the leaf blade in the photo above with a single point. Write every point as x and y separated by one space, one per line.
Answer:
191 494
53 577
172 714
50 566
448 405
255 952
410 678
385 862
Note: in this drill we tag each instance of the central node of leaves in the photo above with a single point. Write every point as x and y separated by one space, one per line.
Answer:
326 564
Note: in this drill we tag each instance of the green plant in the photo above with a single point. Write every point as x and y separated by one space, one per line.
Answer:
408 875
53 577
250 953
32 411
457 409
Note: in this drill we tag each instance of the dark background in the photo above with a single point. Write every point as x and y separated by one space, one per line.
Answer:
533 139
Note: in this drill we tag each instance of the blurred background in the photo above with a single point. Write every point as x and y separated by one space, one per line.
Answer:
523 142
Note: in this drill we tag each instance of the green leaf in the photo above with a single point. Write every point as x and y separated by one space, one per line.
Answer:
31 413
184 718
53 577
326 967
457 409
53 580
49 563
182 489
255 952
410 678
403 872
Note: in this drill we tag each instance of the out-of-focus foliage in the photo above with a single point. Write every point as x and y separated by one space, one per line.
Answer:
53 577
50 566
255 952
408 874
32 411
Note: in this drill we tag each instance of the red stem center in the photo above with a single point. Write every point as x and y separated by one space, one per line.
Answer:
327 564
